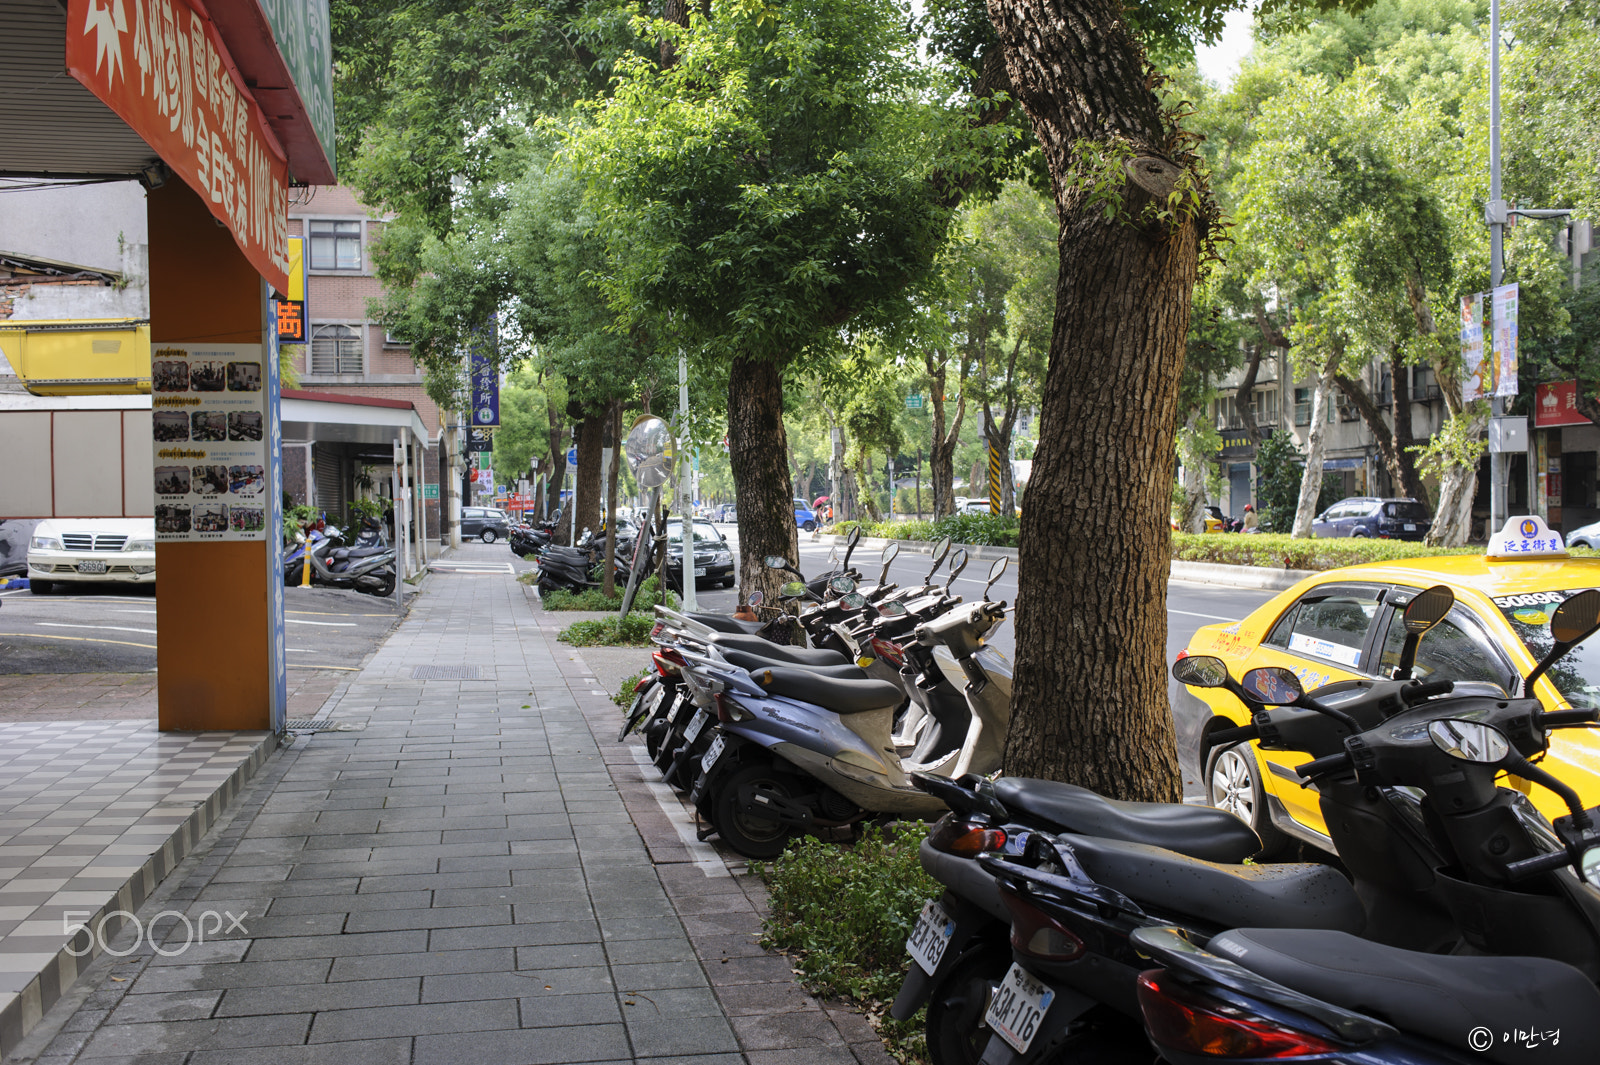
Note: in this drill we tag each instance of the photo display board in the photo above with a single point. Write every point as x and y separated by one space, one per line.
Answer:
209 422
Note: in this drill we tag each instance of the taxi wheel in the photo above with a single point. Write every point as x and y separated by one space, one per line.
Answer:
1233 783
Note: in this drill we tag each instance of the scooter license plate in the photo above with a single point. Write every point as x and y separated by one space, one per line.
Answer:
713 752
696 723
931 937
1018 1005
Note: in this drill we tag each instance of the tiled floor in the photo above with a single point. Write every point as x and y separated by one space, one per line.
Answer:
84 808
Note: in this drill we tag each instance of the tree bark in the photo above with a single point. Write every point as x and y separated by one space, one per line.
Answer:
586 496
1245 393
869 497
1090 692
1193 518
558 466
1316 445
757 450
1393 447
919 484
942 441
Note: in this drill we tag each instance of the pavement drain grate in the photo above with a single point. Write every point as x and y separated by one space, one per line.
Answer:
444 673
321 724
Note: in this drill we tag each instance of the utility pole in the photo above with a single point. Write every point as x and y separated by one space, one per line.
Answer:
1495 215
686 483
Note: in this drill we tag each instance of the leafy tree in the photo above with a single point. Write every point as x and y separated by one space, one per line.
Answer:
769 189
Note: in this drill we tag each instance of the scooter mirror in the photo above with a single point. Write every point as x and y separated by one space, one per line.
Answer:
995 571
940 550
854 537
1591 866
833 556
1200 671
1576 617
889 554
755 598
1272 685
853 601
792 590
775 562
1427 609
1470 741
895 609
958 562
841 586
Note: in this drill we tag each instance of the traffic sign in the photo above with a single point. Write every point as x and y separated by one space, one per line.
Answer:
914 402
572 456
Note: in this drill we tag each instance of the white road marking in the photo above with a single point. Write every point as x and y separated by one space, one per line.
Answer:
102 628
133 611
1192 614
329 624
706 858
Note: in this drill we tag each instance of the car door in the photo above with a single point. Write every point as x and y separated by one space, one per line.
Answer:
1324 637
1457 649
471 521
1323 524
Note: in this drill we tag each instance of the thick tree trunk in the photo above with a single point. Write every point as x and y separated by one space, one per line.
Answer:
558 467
608 584
1316 445
1193 518
1090 694
591 441
1245 393
869 495
757 450
919 484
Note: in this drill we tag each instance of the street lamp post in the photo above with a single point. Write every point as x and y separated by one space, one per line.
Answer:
686 483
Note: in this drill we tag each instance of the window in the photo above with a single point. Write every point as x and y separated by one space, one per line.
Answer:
1329 627
1266 406
335 245
1385 396
1455 649
1424 386
1302 406
335 349
1405 511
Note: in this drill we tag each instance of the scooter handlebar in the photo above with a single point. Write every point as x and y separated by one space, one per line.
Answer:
1330 763
1417 693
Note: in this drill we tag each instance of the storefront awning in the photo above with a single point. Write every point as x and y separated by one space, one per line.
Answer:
79 357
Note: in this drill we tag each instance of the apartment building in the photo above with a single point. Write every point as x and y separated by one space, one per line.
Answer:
349 355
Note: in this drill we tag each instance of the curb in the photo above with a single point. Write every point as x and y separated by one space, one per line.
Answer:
56 976
920 547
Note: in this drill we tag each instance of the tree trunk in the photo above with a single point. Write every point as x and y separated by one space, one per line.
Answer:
869 496
757 450
608 584
978 478
586 497
1394 448
1245 393
1193 518
942 441
919 484
558 466
1090 693
1316 444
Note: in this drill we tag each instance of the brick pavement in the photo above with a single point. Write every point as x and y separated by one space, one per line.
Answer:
475 873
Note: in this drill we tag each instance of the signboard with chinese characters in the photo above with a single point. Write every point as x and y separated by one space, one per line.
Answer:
291 312
1556 403
303 34
162 68
1505 340
1525 536
209 421
485 390
1477 377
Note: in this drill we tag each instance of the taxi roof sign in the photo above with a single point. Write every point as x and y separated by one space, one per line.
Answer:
1526 536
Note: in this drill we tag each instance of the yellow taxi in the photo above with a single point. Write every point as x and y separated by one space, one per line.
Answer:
1346 623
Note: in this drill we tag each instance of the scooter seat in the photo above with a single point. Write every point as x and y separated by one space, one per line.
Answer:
1440 996
360 552
723 623
1199 831
840 696
1289 895
780 652
754 662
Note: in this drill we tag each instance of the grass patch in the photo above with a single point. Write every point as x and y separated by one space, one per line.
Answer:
988 530
842 914
615 631
624 695
645 597
1279 550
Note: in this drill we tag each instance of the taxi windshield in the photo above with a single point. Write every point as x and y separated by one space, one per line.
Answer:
1576 676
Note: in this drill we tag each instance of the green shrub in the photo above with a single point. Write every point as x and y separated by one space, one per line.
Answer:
624 695
843 915
1283 551
646 597
988 530
614 631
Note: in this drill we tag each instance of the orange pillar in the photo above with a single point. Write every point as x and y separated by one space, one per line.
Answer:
212 614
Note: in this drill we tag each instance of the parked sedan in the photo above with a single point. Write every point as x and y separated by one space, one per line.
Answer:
1388 519
486 523
68 550
713 555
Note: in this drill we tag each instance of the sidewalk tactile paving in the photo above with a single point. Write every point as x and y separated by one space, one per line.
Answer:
479 873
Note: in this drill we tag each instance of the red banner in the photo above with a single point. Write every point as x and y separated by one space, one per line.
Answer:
1556 404
166 73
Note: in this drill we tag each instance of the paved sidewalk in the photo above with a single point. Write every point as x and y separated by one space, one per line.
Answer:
460 878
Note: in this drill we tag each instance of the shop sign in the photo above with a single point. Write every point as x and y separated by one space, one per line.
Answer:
1556 403
303 33
162 68
212 439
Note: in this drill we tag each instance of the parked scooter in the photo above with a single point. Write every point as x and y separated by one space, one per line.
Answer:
366 569
1407 783
794 750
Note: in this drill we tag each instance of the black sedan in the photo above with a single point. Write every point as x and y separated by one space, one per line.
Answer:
713 555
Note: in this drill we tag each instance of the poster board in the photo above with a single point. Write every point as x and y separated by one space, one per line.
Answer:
210 435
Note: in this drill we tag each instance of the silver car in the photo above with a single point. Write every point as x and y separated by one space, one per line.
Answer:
65 550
